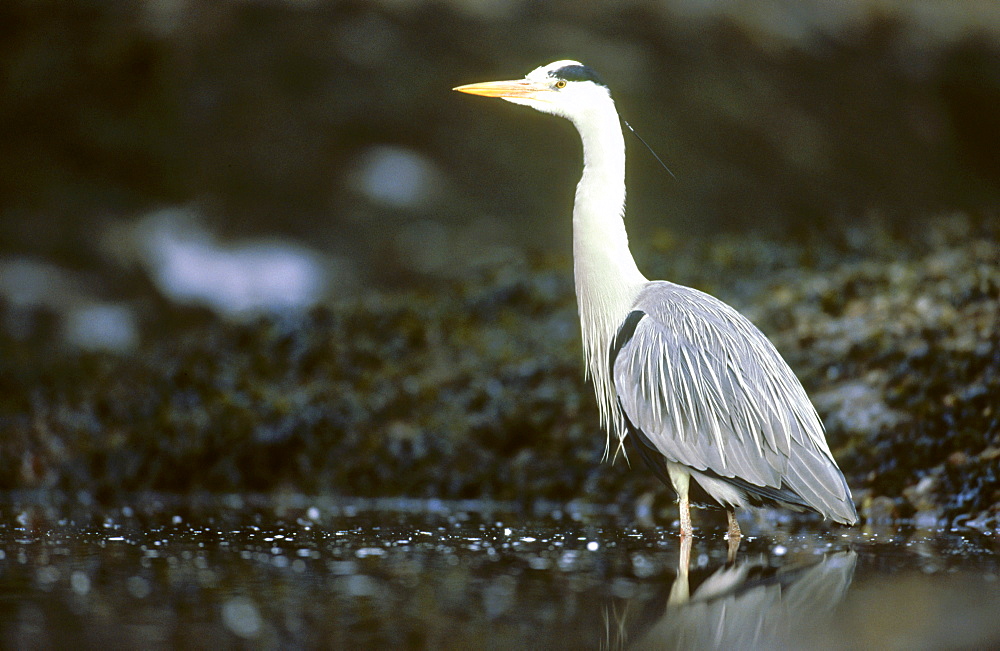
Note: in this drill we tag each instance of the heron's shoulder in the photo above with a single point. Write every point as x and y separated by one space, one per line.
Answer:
668 303
686 317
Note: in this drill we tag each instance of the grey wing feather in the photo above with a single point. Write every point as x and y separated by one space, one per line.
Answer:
710 391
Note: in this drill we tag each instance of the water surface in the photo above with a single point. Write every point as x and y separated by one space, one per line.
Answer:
303 572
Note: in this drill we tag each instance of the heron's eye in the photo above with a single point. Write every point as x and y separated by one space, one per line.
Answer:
561 83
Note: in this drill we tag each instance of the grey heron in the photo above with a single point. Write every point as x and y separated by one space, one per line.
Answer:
703 393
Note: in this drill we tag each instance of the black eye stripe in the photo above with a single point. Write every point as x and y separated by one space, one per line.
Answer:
577 73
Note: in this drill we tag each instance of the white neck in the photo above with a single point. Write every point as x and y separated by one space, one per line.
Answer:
607 279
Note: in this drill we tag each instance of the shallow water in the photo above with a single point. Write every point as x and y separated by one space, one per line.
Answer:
302 572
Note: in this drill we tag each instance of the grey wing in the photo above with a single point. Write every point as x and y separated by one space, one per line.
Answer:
709 391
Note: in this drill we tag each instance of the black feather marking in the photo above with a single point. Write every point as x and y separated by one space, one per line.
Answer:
625 332
577 73
650 455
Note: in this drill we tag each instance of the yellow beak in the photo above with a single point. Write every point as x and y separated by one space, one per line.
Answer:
515 88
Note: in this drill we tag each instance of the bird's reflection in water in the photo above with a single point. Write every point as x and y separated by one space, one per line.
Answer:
739 605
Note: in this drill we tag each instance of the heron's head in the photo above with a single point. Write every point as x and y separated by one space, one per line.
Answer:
565 88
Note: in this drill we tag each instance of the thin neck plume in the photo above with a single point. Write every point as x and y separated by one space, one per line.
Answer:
607 279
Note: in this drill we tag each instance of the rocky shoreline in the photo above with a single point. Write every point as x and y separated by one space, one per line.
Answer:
476 390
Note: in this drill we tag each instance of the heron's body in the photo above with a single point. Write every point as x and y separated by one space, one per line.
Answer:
699 388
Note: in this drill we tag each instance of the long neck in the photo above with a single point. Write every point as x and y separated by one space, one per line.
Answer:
607 279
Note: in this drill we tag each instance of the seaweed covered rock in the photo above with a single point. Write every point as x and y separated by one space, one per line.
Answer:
476 389
476 392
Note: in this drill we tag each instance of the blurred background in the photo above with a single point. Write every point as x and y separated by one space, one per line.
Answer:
171 170
127 128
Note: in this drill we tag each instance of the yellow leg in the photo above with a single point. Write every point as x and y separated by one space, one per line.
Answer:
681 479
684 506
734 526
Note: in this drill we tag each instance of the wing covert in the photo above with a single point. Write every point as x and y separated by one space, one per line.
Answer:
710 391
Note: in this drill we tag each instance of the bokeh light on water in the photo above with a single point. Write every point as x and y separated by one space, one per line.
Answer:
300 571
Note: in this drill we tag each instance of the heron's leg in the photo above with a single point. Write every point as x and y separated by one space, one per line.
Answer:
734 526
734 534
681 479
684 505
